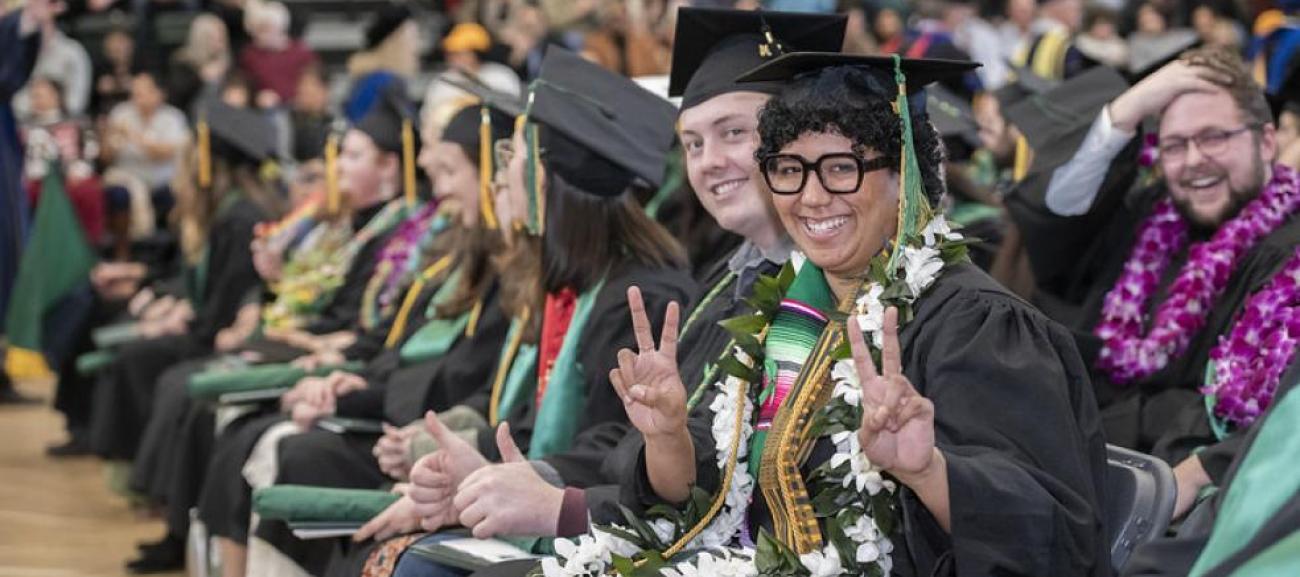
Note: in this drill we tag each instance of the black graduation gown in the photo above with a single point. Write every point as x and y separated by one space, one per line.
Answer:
1026 486
1170 556
124 394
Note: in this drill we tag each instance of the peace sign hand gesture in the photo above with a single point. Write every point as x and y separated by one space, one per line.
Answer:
897 431
648 380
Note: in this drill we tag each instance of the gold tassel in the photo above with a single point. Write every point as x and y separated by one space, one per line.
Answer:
332 200
471 327
408 163
485 171
205 153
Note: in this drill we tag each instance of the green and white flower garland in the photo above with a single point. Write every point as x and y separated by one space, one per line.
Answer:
852 494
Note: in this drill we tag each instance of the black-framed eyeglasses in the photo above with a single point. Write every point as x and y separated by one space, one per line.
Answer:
839 172
1210 142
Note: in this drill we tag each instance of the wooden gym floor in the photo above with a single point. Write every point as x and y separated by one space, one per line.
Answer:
58 518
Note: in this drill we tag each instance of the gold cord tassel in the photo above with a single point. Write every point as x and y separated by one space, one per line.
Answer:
412 294
503 367
332 200
205 153
485 170
408 162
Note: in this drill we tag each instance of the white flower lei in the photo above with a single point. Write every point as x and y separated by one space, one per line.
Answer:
590 556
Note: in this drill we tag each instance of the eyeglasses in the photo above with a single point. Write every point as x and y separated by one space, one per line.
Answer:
1211 142
839 172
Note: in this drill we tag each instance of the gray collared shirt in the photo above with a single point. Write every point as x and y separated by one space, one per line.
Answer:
747 259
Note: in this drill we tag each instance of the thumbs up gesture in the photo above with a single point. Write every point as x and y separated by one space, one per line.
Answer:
509 499
435 476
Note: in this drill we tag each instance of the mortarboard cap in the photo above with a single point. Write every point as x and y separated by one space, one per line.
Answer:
387 20
465 128
875 74
952 115
1156 52
239 134
604 130
1050 121
309 138
1024 84
1288 96
506 103
713 46
391 125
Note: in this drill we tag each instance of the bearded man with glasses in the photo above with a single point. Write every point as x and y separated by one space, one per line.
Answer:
1184 326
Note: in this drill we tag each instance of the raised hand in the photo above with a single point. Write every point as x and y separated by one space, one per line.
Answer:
648 380
897 431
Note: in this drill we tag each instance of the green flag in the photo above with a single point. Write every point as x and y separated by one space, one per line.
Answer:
56 260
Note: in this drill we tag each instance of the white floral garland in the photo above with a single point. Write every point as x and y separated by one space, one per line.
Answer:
591 555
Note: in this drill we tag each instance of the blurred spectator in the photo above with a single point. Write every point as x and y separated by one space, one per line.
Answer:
1151 20
142 148
52 140
202 62
309 118
1017 21
1100 39
113 72
465 46
1219 23
888 20
629 38
978 38
273 60
63 59
524 32
235 90
392 55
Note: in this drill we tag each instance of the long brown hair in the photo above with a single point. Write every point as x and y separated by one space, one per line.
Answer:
196 209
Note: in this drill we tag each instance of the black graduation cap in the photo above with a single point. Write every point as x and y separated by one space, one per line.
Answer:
1024 84
879 77
509 104
603 129
465 128
952 115
387 21
391 125
1288 96
1055 122
240 134
309 138
712 46
1159 51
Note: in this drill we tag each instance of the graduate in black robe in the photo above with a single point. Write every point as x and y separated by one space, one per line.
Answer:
218 284
1259 473
1084 231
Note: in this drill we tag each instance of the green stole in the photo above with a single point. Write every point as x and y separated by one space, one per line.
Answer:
566 392
438 334
1264 482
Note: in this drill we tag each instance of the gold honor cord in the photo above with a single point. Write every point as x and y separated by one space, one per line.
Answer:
475 313
408 163
332 200
205 153
793 517
503 367
399 322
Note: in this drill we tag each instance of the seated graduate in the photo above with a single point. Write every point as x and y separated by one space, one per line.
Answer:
965 441
443 340
717 125
1251 525
230 199
1182 261
577 158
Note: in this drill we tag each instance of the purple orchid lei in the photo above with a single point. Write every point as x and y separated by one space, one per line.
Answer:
400 254
1127 354
1248 362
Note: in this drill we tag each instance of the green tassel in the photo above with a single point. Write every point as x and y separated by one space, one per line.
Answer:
913 208
531 153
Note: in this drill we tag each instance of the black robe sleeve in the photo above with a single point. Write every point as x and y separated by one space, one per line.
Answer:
230 275
1017 423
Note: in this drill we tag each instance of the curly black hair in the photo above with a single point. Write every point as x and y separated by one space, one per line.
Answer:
848 101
